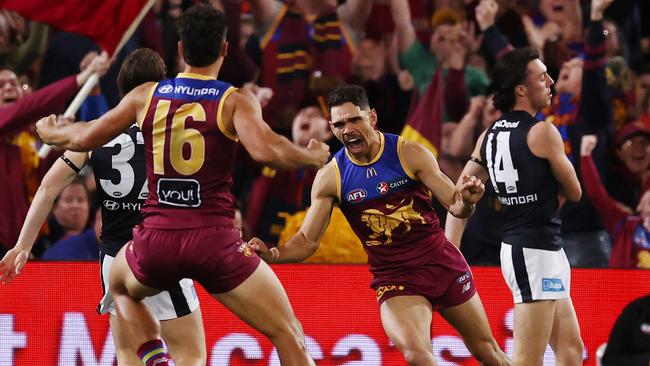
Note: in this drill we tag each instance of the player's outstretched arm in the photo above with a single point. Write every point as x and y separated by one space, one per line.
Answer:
455 226
243 112
545 142
459 201
57 178
305 242
88 136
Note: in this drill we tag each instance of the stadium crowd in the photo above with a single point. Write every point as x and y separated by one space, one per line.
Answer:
426 67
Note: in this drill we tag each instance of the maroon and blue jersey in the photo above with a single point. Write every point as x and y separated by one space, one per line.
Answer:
388 209
189 154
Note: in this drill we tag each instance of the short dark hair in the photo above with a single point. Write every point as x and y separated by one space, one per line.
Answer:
202 29
354 94
510 71
141 66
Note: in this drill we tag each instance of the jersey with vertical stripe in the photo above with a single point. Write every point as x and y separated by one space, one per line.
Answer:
189 154
388 209
121 182
524 183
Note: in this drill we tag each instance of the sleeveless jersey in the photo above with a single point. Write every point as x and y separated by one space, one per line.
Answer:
524 183
388 209
189 154
121 182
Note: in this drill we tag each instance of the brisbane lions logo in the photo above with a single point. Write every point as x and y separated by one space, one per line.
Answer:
383 224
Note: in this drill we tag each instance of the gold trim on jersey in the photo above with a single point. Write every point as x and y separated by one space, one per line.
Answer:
335 164
143 115
191 75
374 159
350 41
400 143
222 128
274 26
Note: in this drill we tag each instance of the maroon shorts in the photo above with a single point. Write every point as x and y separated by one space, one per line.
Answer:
445 280
213 256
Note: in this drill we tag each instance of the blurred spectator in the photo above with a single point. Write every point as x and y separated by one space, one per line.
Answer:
275 193
447 50
19 164
620 89
555 29
370 69
69 218
629 341
21 42
82 246
238 69
630 233
628 169
300 37
642 90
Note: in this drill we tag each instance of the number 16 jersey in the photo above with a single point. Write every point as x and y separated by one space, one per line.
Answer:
523 182
189 154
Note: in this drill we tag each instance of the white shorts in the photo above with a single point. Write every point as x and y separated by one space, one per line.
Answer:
166 305
535 274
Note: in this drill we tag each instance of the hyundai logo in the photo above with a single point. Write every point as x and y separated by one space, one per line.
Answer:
111 205
165 89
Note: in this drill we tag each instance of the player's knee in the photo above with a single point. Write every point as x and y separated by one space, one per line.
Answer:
488 353
418 356
571 353
290 330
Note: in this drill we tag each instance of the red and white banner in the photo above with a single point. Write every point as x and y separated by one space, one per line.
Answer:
47 317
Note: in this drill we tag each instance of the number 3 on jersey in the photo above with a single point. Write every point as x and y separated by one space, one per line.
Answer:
499 163
178 137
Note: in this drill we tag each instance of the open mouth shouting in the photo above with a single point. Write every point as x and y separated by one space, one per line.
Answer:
353 143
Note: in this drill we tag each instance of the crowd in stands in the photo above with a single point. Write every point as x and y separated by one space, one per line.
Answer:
424 60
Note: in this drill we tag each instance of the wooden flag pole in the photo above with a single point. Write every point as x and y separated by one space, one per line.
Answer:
94 78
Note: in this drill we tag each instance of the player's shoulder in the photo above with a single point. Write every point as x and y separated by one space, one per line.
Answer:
542 131
328 179
141 92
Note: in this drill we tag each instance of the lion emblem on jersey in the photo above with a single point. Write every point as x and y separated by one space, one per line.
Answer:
383 224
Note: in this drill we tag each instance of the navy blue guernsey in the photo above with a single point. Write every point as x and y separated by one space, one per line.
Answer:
523 182
121 181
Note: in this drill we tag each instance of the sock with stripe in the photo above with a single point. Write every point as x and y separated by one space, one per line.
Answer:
153 353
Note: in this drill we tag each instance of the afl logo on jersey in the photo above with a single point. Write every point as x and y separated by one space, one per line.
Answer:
111 205
357 195
165 89
382 188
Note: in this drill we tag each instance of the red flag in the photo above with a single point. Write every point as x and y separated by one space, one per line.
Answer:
104 21
424 125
